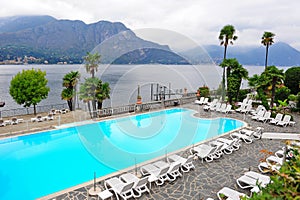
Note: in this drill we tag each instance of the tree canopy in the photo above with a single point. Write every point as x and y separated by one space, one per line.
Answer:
292 79
29 87
92 63
235 74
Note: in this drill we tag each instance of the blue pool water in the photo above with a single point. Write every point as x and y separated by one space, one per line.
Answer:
39 164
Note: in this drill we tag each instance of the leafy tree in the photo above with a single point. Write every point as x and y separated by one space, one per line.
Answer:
235 74
259 83
226 37
282 94
29 87
204 91
267 40
92 63
292 79
70 81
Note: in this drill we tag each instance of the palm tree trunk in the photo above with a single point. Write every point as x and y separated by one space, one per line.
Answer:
75 98
223 77
34 109
89 107
266 59
99 105
273 91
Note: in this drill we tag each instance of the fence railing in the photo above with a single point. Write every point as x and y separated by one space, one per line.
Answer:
105 111
28 111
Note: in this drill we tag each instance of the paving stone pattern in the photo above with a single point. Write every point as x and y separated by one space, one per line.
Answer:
208 178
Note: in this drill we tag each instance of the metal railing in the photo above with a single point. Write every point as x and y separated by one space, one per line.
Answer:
28 111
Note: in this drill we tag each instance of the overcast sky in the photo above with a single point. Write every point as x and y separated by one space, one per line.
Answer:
198 20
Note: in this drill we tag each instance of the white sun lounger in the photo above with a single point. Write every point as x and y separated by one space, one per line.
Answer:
204 151
265 118
265 167
228 109
200 101
236 142
246 181
173 171
286 121
242 107
273 160
247 109
230 194
277 118
225 147
258 115
140 184
119 187
218 106
221 108
186 163
262 178
159 175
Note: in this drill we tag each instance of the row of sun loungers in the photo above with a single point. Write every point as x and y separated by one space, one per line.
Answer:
279 120
129 185
202 101
253 180
13 121
38 118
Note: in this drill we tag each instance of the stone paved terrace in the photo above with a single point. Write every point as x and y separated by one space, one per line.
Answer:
208 178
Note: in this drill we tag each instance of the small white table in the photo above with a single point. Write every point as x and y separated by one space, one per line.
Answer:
105 194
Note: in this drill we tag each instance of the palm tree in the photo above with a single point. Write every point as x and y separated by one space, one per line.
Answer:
274 77
87 93
267 40
103 92
92 63
70 81
226 37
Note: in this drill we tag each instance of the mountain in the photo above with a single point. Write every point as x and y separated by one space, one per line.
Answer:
47 38
280 54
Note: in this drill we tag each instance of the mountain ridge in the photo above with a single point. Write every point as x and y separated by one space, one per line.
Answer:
68 40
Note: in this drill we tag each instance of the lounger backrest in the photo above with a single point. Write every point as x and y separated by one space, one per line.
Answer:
223 106
245 101
286 118
228 108
127 187
175 167
143 181
250 102
205 100
278 117
189 159
201 99
267 115
163 171
261 113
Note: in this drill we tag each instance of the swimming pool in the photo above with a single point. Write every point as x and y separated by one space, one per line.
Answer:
39 164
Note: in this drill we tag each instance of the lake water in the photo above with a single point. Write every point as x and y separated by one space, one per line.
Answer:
123 80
